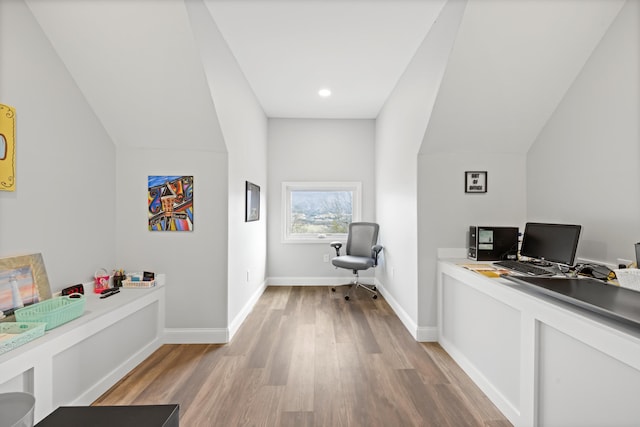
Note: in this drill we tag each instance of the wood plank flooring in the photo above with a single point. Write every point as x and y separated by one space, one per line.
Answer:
306 357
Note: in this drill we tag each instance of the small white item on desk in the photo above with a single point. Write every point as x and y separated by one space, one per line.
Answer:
629 278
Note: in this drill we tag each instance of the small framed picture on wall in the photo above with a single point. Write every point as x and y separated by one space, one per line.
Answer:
475 182
252 203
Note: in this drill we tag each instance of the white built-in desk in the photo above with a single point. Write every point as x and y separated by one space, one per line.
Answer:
75 363
541 361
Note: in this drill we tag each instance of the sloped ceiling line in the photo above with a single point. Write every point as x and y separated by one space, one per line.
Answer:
510 67
511 64
144 80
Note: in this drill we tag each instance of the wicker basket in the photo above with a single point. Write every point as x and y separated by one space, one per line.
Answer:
54 312
23 333
138 284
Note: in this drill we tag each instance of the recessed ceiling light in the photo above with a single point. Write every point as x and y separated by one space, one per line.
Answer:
324 93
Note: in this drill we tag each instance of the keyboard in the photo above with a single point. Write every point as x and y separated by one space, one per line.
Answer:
523 267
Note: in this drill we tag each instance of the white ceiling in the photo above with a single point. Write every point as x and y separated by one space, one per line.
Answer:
512 64
289 49
137 63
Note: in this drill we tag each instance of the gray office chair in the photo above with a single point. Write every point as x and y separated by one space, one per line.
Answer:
362 253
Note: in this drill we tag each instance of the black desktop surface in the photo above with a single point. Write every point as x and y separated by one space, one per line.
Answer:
594 295
112 416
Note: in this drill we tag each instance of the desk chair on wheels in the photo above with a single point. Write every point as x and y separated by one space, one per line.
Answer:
362 252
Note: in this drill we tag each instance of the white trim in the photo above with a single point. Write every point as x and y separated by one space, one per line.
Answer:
237 321
493 393
196 336
213 335
32 367
422 334
356 214
91 394
427 334
406 320
314 281
224 335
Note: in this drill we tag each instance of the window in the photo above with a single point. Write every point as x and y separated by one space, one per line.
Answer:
316 211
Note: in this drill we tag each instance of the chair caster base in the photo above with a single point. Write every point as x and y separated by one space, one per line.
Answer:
353 287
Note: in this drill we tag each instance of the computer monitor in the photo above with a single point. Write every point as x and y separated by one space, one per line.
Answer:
550 242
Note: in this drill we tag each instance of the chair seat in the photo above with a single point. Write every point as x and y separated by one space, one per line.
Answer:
353 262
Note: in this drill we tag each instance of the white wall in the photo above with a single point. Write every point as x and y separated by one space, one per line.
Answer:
244 127
80 205
315 151
195 262
64 203
206 268
400 129
144 79
446 211
585 165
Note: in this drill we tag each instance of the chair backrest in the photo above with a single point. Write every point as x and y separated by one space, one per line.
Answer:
362 236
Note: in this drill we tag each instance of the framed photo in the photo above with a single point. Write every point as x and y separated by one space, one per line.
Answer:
475 182
252 208
23 281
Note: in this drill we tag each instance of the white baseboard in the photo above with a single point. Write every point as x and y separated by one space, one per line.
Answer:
476 375
427 334
406 320
240 318
224 335
314 281
213 335
422 334
196 335
114 376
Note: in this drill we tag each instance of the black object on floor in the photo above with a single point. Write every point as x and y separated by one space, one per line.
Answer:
109 416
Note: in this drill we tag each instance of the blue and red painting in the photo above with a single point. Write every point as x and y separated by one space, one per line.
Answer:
170 203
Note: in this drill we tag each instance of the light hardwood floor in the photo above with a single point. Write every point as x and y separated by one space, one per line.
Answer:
306 357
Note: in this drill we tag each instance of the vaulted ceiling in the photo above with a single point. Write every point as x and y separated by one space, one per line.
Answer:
137 61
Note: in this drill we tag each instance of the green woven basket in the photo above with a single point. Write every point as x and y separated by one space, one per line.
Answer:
54 312
21 333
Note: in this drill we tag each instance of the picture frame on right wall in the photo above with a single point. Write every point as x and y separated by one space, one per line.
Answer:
252 202
475 182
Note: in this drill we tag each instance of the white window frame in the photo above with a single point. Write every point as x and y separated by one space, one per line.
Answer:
288 187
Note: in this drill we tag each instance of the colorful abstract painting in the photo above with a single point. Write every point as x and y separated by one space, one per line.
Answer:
170 201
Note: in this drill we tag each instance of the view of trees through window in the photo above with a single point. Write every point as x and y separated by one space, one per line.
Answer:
320 212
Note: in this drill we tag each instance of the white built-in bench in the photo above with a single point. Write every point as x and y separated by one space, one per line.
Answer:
75 363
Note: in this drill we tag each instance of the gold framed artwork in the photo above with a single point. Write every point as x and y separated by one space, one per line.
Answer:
7 148
23 281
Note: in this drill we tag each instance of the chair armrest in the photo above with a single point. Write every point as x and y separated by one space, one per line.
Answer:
375 250
336 246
